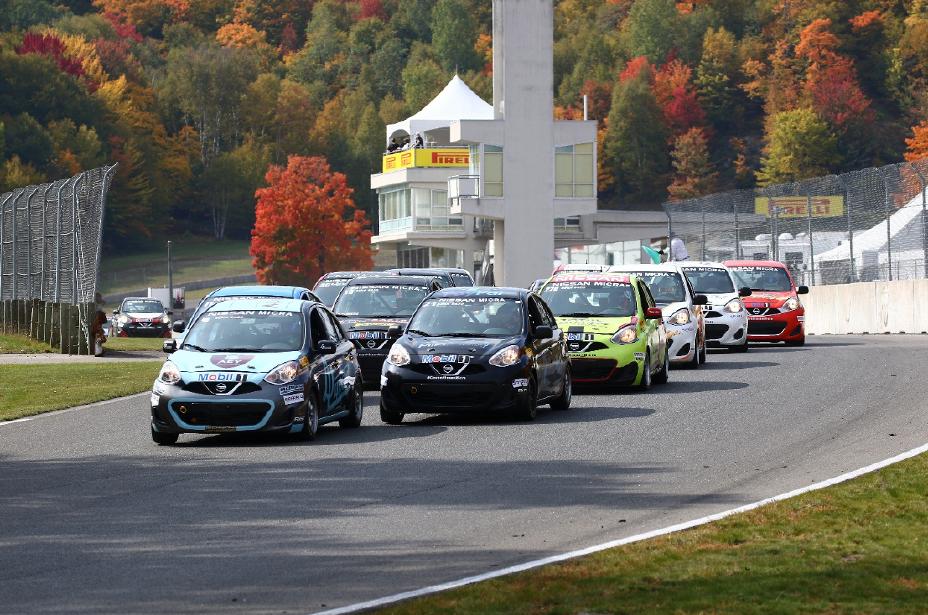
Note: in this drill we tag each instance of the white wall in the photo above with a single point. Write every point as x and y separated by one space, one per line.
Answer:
868 307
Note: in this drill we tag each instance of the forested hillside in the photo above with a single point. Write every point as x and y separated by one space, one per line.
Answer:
195 98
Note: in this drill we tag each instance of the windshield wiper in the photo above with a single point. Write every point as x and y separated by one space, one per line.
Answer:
195 347
418 332
236 350
579 315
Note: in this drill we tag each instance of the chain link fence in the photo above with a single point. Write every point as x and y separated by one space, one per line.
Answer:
50 239
856 227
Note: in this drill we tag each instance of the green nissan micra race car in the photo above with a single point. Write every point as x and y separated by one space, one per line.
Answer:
614 329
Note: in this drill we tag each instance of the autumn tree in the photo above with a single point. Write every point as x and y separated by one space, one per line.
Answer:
306 224
800 145
676 96
917 143
694 174
651 29
454 34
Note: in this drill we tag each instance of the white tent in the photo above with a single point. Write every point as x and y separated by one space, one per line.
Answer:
455 102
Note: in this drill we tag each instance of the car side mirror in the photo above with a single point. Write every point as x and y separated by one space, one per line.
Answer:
700 300
115 311
745 292
169 346
179 326
394 331
802 290
653 313
544 332
326 346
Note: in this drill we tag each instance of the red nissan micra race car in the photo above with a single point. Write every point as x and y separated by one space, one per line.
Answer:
775 313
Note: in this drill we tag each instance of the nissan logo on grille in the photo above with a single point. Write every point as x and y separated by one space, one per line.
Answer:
221 387
447 368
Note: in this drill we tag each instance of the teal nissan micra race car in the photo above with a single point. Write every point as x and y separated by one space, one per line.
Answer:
248 365
614 329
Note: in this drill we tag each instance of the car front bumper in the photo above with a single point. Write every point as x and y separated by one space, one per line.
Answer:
602 361
682 342
727 329
784 327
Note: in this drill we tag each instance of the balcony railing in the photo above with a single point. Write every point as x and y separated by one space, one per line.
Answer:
428 157
463 187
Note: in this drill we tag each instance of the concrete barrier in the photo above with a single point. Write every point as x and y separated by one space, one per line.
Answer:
868 307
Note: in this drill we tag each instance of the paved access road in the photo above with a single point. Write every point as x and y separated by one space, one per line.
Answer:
95 518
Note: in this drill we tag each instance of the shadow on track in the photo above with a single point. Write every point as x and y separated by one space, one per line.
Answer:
720 365
546 416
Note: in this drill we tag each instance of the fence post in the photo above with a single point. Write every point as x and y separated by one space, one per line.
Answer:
850 228
734 210
924 187
811 244
889 233
702 207
13 242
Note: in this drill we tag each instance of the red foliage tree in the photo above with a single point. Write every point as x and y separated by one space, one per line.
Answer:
372 8
306 224
635 67
918 143
53 47
676 96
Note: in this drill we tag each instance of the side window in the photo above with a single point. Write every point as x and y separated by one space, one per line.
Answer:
642 299
648 297
535 314
319 327
336 327
548 314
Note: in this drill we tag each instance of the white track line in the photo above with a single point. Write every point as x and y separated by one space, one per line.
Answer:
74 409
432 589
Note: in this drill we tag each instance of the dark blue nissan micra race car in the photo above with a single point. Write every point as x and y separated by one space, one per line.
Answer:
477 349
248 365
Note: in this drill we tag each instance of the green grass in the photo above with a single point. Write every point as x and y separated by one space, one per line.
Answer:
858 547
20 344
133 344
194 260
26 390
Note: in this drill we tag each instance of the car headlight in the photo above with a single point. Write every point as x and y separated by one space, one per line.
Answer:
626 335
398 356
734 306
507 356
122 320
169 373
284 373
791 304
680 317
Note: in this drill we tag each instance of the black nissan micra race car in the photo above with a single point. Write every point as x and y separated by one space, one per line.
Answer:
477 349
374 309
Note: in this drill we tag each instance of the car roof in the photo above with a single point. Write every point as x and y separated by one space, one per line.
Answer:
481 291
419 271
259 291
746 263
340 275
643 268
713 264
590 276
142 299
406 280
270 304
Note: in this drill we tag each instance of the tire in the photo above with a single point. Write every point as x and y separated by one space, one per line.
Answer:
527 409
354 419
310 420
742 348
562 401
389 417
645 383
702 353
662 376
799 342
695 361
164 439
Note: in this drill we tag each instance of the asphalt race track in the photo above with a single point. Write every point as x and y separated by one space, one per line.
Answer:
96 518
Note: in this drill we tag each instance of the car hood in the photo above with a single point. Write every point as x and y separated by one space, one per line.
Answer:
594 324
477 347
249 362
771 297
143 315
720 299
669 308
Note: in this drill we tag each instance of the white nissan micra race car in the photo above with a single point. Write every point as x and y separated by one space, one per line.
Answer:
726 318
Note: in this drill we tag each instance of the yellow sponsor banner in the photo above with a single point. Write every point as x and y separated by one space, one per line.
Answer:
798 206
439 157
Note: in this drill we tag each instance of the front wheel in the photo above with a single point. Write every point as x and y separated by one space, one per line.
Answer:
163 439
702 353
742 348
389 416
662 376
354 419
562 401
645 382
527 408
310 420
799 342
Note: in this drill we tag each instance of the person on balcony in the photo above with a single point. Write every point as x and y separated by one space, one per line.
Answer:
419 143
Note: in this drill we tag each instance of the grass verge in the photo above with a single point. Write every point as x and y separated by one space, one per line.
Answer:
26 390
858 547
21 344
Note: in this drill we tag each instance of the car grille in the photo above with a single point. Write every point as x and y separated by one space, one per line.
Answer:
371 363
585 346
437 369
215 388
371 344
714 332
221 415
592 369
450 395
765 327
762 311
713 314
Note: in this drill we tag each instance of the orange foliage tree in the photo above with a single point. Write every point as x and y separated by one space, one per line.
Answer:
306 224
918 143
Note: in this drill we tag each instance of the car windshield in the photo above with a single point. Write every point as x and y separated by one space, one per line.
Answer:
462 279
762 278
143 307
380 300
469 317
665 286
247 331
327 290
590 298
709 280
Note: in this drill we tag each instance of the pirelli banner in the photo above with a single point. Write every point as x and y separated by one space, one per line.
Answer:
798 206
442 157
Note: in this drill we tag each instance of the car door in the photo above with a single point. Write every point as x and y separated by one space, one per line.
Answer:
559 356
326 376
658 333
346 364
545 349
